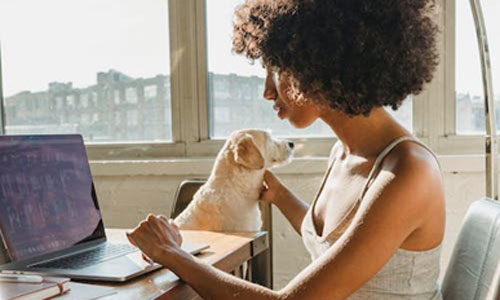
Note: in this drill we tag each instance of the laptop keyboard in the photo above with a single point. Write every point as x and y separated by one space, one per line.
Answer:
88 258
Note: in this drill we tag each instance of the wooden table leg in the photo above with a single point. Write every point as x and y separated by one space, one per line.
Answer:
261 269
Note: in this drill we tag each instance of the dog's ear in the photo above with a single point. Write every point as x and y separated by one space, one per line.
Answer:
247 154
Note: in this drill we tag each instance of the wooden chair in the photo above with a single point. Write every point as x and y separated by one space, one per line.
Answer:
473 272
262 264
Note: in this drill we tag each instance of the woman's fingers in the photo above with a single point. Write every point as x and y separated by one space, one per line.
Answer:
268 187
269 178
164 220
156 230
159 227
264 187
177 232
140 234
172 229
130 239
153 236
146 258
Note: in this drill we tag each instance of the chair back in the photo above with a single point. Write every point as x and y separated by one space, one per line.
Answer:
473 272
184 195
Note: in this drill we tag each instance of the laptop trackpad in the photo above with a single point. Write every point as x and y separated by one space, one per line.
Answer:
122 266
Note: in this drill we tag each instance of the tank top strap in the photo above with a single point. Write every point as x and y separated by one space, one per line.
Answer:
323 182
381 157
375 167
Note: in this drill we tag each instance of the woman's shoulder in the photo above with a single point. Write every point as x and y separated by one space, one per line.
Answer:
409 185
417 189
413 155
415 166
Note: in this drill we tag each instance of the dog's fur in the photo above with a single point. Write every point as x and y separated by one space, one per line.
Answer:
228 201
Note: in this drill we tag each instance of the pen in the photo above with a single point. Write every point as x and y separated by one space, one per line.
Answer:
21 278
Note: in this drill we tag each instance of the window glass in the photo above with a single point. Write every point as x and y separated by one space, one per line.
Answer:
150 92
81 67
469 94
117 97
84 100
131 95
235 86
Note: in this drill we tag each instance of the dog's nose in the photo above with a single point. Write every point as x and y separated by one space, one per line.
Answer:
291 145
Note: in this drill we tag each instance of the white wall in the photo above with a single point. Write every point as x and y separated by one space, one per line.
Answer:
129 191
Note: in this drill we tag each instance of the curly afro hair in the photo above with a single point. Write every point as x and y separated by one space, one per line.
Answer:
352 54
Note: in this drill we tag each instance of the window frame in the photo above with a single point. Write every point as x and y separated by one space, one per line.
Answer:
433 110
447 140
2 111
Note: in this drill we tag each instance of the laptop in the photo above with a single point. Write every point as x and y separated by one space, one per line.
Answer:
50 221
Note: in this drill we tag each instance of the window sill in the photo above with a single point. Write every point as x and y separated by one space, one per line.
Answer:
200 167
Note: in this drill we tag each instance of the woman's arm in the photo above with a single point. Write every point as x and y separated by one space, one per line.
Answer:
389 215
275 192
160 240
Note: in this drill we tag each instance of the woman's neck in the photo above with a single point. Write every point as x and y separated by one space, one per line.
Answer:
361 135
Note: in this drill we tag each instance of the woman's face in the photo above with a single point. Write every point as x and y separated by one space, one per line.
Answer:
299 115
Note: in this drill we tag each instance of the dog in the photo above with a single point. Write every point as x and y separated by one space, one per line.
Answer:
228 201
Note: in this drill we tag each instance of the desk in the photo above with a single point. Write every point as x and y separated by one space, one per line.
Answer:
228 251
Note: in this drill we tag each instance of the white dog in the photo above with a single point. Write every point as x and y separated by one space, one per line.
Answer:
228 201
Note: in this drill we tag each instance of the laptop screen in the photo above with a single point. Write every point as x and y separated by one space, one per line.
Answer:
47 197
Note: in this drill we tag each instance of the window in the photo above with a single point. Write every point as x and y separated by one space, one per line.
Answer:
87 52
70 100
150 92
84 100
131 95
117 97
102 68
132 119
117 120
469 94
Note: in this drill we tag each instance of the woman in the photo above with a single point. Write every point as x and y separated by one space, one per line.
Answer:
375 228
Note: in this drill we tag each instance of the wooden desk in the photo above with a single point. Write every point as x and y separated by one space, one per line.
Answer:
228 251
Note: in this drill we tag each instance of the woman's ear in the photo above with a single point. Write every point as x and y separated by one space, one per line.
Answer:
247 154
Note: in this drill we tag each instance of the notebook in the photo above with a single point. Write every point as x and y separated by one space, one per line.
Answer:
50 287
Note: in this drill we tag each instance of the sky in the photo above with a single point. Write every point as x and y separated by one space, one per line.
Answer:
468 68
219 36
69 40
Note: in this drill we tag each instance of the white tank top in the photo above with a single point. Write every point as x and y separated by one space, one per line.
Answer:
407 274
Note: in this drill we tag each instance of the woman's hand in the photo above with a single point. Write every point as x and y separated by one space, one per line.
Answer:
156 236
272 188
275 192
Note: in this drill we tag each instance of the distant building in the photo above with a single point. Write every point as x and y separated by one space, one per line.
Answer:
238 102
118 107
122 108
234 101
470 113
